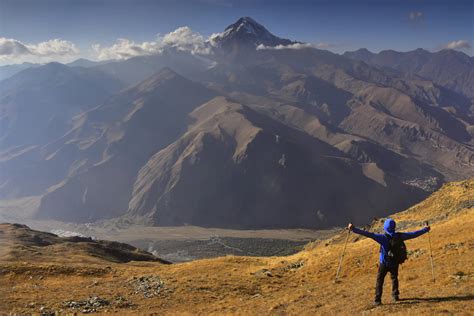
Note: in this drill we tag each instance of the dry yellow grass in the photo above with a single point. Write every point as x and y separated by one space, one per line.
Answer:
276 285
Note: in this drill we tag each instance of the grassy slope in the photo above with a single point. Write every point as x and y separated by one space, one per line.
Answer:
237 285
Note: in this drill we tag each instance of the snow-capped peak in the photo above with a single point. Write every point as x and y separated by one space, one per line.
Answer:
248 30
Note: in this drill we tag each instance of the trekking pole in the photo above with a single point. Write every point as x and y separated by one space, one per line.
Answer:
431 255
342 256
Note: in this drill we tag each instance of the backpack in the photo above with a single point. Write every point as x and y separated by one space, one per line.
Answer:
398 250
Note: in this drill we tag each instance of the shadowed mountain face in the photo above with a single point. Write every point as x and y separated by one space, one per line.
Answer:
111 142
287 137
254 172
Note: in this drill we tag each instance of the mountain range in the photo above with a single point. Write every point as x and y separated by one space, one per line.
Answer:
259 132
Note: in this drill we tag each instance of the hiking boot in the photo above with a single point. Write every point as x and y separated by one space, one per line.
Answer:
395 299
377 303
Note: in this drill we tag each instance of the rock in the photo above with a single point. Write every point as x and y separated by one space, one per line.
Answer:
416 252
91 305
295 265
148 285
122 302
45 312
263 273
453 246
461 276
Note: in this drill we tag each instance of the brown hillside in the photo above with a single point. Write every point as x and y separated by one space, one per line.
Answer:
301 284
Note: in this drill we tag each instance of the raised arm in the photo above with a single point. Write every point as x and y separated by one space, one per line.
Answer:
377 237
417 233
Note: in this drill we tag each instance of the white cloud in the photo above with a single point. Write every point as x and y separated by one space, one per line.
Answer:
54 47
322 45
125 48
12 47
183 39
461 44
290 46
14 51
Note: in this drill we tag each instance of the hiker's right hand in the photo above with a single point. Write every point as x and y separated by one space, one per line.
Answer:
349 227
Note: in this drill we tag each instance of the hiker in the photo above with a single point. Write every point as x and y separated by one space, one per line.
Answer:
392 254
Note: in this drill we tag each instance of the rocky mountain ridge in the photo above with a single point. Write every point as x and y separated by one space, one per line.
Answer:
259 138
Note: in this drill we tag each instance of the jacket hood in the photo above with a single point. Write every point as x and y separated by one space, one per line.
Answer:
389 226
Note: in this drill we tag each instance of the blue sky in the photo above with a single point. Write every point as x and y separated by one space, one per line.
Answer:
337 25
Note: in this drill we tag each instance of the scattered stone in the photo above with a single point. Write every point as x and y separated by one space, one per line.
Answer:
46 312
465 204
453 246
415 253
294 266
122 302
263 273
91 305
278 271
148 285
428 184
461 276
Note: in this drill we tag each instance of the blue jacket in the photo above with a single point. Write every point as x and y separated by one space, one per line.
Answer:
384 240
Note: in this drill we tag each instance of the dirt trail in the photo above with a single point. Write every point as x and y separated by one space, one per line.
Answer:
301 284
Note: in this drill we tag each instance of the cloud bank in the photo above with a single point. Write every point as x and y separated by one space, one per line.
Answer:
280 47
12 50
321 45
459 45
182 39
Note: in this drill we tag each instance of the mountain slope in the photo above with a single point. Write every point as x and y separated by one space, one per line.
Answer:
448 68
19 242
301 284
253 172
38 103
290 125
136 69
111 142
357 100
8 71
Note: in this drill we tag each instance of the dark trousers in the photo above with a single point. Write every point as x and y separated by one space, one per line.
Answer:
381 273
